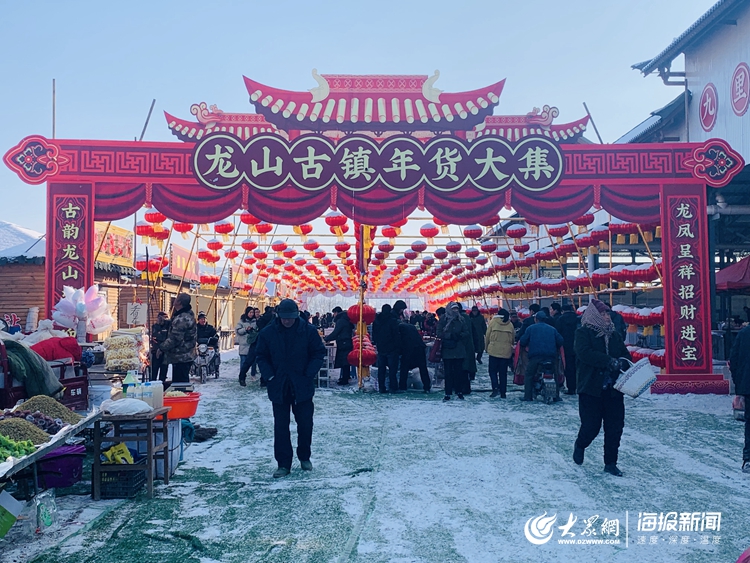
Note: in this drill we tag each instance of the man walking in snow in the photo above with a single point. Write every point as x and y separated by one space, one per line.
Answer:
290 353
739 364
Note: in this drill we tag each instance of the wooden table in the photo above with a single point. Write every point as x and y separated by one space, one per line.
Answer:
155 421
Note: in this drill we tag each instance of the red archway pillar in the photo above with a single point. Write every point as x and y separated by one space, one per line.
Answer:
687 295
70 239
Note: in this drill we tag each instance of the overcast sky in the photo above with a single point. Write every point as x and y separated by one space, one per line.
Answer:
111 58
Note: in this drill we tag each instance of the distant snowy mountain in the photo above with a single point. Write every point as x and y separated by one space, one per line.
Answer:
14 235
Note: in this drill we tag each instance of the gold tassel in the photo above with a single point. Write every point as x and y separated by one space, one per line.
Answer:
204 227
658 231
144 240
620 239
563 259
634 238
225 236
444 229
648 236
594 250
534 229
184 236
430 241
603 245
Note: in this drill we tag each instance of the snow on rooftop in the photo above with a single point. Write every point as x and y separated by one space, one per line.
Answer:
12 235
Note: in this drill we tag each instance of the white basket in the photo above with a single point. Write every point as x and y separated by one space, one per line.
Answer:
639 377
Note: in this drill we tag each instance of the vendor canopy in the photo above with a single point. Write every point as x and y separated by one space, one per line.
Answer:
373 182
735 277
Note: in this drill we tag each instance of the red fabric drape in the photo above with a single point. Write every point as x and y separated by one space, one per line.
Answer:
637 204
113 201
378 205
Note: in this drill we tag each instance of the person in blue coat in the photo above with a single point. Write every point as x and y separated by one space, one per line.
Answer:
290 353
544 342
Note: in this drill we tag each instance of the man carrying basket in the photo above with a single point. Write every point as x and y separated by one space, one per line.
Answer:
598 347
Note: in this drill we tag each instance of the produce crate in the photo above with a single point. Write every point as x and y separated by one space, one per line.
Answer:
122 484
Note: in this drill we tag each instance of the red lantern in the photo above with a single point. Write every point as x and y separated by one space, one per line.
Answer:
558 231
278 246
369 357
289 253
231 254
442 224
260 254
428 260
471 252
440 254
342 246
368 314
310 245
224 228
144 230
502 254
516 232
488 246
453 247
248 218
410 254
303 230
215 244
429 231
140 263
263 229
161 236
391 233
182 228
491 222
249 245
402 261
385 246
156 218
473 232
521 248
419 246
583 222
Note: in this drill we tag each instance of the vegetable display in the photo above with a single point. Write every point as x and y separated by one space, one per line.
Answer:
20 430
48 424
53 409
12 448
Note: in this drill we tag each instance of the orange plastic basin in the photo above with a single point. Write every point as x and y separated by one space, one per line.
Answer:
182 407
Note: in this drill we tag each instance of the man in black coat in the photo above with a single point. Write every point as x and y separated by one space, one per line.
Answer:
265 318
159 333
342 334
290 354
534 308
566 324
739 364
413 355
385 336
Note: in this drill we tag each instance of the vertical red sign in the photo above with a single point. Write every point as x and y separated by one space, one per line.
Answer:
686 279
70 240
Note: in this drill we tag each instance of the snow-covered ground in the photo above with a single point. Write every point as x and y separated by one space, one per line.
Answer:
407 478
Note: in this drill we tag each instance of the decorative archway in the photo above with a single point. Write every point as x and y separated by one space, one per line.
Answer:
458 181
